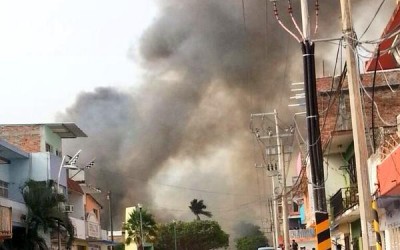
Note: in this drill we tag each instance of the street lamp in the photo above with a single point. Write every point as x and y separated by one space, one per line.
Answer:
141 224
174 221
71 164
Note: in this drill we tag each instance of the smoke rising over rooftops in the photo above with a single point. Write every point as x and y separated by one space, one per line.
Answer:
183 133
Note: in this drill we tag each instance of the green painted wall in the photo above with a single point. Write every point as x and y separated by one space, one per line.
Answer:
356 234
51 138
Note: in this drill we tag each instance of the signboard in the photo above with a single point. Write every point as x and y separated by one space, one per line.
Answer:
6 222
302 234
93 230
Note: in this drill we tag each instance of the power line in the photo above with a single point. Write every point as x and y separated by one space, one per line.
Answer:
373 18
170 185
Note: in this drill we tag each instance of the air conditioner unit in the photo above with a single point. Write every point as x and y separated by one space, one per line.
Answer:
69 208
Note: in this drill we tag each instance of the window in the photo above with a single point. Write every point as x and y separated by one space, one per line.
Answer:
49 148
3 189
352 170
295 207
96 212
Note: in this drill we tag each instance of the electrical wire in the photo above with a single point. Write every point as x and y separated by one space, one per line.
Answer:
124 175
280 22
393 33
384 76
376 106
373 99
290 9
373 18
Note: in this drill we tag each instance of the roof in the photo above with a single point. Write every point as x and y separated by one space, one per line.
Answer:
9 152
64 129
74 186
98 203
386 60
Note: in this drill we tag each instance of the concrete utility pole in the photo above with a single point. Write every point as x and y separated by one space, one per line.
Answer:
275 213
360 142
111 218
281 165
274 173
273 204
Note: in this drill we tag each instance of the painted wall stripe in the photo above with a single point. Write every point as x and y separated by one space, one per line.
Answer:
322 231
325 244
375 223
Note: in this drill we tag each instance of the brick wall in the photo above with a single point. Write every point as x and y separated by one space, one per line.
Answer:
338 118
26 137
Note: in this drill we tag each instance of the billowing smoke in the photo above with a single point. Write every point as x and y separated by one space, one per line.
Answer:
183 133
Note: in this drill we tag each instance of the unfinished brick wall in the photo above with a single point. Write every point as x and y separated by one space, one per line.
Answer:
388 102
26 137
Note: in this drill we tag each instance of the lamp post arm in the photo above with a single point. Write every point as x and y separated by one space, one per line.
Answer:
59 174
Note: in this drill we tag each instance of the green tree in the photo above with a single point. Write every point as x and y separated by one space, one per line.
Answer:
197 207
120 247
195 235
250 237
42 202
250 242
132 226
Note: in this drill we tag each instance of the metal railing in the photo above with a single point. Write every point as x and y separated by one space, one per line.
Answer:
343 199
302 233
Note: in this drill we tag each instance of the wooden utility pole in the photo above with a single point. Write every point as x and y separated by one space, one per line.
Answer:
360 142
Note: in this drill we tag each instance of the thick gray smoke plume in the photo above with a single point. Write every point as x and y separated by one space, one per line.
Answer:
184 134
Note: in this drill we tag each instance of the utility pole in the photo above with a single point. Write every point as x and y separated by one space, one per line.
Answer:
285 216
275 171
274 229
111 220
360 142
275 212
322 229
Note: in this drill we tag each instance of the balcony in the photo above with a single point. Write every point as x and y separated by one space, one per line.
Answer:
389 174
302 235
343 200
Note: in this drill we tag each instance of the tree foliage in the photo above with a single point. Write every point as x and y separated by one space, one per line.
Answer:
44 214
250 237
132 226
197 207
195 235
120 246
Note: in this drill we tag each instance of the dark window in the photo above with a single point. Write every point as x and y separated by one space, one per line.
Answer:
49 148
295 207
4 189
352 170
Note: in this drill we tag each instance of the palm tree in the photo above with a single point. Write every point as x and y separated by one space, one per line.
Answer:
42 202
197 207
132 226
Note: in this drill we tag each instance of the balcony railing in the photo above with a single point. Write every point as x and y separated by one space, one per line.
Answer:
302 233
344 199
